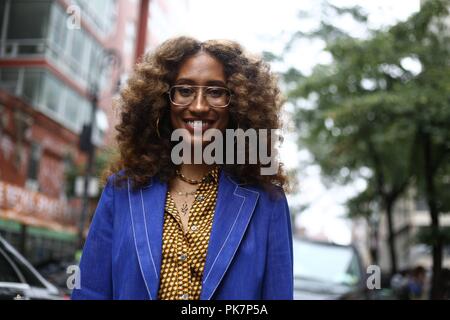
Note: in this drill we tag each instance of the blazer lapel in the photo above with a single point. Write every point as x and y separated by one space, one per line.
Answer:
147 217
234 208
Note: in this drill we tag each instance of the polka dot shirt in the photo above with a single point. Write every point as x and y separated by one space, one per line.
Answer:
184 253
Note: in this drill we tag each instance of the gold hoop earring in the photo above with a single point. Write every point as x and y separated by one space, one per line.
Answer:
157 128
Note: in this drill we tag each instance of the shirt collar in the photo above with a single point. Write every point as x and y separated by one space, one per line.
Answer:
214 174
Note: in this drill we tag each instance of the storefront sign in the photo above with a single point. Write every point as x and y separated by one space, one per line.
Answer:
31 203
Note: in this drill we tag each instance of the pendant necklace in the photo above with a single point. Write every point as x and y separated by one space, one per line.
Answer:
184 206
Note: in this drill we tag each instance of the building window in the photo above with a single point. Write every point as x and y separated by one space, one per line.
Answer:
32 85
26 83
2 13
73 50
47 93
77 46
28 19
101 14
9 79
33 167
52 93
58 30
72 106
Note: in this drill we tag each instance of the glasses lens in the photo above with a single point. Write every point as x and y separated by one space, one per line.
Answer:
182 95
217 96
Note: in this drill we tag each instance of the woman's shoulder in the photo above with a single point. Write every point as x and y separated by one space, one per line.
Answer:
115 180
120 181
271 193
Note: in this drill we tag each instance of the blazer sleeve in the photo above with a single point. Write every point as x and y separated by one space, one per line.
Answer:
95 264
278 277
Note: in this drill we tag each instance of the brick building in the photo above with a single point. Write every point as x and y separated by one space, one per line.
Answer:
48 67
52 52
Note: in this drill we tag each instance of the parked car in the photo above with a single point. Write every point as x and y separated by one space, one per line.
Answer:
55 271
326 271
19 279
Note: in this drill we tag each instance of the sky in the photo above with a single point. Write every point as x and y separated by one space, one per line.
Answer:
266 25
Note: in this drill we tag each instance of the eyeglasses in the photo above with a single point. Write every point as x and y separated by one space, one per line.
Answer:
183 95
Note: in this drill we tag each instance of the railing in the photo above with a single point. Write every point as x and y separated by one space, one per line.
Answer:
48 50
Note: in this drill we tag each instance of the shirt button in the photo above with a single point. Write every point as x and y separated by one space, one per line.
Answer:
183 257
184 296
194 228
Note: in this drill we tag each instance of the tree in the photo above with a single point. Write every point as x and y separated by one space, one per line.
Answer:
364 205
382 106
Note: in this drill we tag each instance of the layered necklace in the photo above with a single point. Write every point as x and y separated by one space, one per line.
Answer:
184 206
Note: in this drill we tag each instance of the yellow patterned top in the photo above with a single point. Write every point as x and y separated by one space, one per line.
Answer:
184 255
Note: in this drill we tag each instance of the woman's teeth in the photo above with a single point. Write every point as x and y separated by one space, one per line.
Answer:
197 124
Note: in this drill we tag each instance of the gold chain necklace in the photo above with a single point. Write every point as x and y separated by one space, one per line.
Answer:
184 206
185 179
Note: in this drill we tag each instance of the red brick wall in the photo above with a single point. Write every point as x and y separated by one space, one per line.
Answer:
54 139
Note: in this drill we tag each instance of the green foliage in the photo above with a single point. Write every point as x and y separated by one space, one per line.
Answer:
383 106
362 204
368 107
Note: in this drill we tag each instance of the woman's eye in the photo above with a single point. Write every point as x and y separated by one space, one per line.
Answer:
216 92
185 92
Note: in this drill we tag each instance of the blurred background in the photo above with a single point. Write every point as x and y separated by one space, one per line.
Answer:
366 132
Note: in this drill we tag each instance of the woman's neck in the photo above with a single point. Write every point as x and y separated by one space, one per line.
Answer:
195 171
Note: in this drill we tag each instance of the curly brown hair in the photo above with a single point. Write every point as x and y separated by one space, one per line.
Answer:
144 154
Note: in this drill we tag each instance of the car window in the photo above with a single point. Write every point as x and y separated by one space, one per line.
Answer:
325 263
7 272
29 276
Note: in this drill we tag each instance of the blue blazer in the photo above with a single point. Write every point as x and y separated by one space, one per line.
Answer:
249 254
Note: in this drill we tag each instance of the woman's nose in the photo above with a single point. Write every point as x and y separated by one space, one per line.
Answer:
199 104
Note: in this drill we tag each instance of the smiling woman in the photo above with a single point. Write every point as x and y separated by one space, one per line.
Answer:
191 230
149 116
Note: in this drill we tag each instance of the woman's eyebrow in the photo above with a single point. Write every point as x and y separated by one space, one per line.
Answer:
219 83
184 81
